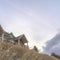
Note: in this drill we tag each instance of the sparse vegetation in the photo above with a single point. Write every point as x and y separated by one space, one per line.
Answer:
55 55
36 49
8 51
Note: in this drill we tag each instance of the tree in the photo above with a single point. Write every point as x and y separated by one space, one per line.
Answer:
35 48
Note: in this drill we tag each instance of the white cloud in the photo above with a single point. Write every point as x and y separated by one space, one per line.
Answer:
52 46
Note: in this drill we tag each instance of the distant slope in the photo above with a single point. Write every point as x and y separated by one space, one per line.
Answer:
8 51
53 45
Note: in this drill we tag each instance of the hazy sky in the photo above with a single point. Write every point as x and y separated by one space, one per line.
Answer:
39 20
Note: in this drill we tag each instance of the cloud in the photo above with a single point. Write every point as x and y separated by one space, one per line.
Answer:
52 46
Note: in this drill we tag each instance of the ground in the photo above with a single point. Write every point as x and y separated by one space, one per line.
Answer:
8 51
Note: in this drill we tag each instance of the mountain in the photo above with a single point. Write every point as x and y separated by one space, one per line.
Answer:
53 45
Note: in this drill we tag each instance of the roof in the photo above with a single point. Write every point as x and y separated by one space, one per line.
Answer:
23 38
10 36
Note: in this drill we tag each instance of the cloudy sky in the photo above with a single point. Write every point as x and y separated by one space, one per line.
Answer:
39 20
53 45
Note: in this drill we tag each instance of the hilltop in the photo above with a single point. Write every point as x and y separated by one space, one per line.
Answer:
9 51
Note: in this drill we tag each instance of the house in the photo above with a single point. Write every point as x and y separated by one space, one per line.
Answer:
22 40
9 37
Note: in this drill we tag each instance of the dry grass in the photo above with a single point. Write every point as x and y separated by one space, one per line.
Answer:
8 51
32 55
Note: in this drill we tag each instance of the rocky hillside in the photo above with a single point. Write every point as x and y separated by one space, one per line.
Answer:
8 51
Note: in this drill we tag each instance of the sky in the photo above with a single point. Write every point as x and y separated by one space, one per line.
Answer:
39 20
53 45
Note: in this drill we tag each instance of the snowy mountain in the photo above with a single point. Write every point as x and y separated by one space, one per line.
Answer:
53 45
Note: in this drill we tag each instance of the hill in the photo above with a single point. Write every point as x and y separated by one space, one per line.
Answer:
8 51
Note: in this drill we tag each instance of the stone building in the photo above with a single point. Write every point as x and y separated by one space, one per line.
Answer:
9 37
